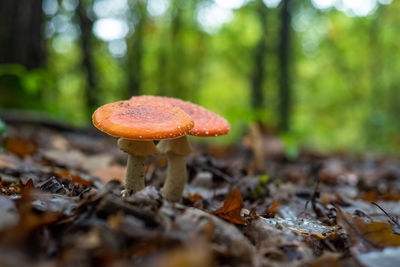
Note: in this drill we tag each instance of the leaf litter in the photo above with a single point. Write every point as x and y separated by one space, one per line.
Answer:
60 205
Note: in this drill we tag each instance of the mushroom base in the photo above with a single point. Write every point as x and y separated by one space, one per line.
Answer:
176 177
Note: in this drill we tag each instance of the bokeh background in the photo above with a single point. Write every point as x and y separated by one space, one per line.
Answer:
318 73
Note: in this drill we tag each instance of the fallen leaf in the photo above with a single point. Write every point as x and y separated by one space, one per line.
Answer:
331 171
21 147
113 172
328 259
29 221
74 177
8 160
194 198
390 196
29 185
394 221
231 210
373 196
195 255
380 233
271 211
365 236
96 162
71 159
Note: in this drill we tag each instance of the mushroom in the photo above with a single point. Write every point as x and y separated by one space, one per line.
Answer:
137 125
206 123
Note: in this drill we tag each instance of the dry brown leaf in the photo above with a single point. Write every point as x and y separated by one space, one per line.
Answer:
270 212
380 233
189 256
29 221
71 159
373 196
231 210
21 147
113 172
195 197
75 178
391 196
29 185
327 260
8 160
365 235
274 207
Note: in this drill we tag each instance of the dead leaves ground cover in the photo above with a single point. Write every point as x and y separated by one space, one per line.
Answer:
60 205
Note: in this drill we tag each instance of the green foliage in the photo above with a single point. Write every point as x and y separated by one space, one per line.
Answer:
344 71
21 88
261 188
292 142
3 136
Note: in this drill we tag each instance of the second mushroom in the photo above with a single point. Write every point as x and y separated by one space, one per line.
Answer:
206 124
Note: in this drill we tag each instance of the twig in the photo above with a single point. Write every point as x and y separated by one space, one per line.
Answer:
393 219
314 195
224 176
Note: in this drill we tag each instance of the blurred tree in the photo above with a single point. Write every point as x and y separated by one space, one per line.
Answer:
177 50
21 42
162 64
221 57
285 93
135 48
86 41
258 74
21 39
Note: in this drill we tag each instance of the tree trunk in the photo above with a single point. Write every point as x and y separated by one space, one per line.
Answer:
162 74
285 93
135 51
258 79
86 24
21 39
177 88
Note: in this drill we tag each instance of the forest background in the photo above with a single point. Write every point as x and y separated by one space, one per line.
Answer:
320 73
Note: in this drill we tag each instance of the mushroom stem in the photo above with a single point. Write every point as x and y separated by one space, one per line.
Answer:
176 151
134 178
137 151
176 177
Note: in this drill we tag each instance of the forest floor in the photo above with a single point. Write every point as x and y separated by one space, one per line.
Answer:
61 205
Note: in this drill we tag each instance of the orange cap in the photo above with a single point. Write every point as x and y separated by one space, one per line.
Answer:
206 122
142 120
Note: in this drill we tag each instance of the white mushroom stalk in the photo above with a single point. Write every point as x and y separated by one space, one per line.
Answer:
176 151
137 151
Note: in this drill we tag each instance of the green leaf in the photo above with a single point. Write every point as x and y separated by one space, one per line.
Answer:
3 127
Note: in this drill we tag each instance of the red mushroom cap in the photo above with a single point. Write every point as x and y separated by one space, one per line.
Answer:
150 120
206 122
